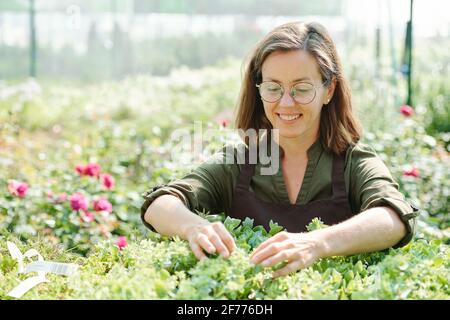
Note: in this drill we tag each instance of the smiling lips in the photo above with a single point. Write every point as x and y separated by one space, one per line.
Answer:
289 117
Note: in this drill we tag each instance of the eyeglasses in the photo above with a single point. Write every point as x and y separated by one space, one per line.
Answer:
302 92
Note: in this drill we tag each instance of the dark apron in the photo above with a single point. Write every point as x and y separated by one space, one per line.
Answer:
293 217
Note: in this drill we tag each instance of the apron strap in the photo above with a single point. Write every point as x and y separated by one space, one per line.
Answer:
247 172
338 180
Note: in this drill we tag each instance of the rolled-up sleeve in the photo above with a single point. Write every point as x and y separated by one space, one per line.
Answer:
372 185
180 189
207 188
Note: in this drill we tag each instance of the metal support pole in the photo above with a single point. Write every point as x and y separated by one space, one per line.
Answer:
410 46
33 47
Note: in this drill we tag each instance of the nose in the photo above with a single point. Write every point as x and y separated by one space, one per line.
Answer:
286 100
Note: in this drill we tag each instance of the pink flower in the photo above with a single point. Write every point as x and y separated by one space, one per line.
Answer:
78 202
406 110
121 242
224 122
107 181
50 195
87 216
17 188
80 169
102 205
223 118
92 169
411 172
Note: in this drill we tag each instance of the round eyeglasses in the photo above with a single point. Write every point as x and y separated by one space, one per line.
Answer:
302 92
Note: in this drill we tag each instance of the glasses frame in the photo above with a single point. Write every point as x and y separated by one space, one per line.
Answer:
290 91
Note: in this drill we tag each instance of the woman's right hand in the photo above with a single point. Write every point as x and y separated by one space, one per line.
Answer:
211 238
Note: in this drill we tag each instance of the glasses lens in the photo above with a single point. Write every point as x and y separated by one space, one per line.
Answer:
270 91
304 92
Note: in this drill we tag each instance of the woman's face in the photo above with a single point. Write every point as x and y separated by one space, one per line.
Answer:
289 68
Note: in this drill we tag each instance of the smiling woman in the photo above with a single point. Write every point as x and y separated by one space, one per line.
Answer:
293 87
304 59
285 113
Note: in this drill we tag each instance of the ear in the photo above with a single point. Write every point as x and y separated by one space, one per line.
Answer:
330 90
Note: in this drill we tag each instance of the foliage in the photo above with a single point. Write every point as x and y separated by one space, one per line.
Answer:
126 127
420 166
162 268
129 134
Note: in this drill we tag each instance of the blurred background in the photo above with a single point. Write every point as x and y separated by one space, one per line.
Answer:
107 81
110 39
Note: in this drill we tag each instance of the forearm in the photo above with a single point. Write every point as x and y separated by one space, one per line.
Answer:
373 230
169 216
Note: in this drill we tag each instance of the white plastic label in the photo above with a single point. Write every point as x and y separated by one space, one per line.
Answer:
40 266
26 285
64 269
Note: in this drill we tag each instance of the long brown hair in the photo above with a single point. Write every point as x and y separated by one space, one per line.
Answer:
339 127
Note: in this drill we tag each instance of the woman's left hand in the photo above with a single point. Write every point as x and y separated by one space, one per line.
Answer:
300 250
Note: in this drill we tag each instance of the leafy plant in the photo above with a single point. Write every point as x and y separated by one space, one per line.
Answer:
163 268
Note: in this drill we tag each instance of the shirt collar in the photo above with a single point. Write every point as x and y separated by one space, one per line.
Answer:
313 151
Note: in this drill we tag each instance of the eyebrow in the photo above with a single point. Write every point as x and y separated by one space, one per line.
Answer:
295 80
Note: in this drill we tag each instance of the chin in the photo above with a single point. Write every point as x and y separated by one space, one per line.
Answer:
289 134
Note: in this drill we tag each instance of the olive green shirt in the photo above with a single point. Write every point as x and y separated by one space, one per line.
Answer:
368 183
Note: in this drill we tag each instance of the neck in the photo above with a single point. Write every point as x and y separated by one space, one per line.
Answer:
296 148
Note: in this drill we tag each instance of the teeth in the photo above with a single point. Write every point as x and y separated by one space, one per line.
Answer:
288 117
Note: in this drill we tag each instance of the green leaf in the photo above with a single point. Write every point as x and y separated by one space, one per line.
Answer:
231 224
248 223
274 228
315 224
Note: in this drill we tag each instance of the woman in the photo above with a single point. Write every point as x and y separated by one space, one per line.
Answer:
293 82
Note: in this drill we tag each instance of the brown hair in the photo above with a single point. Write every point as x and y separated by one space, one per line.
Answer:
339 127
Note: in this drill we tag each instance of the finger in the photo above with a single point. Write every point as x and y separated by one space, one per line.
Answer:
279 257
276 238
261 247
198 252
267 252
204 243
290 267
218 244
226 237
